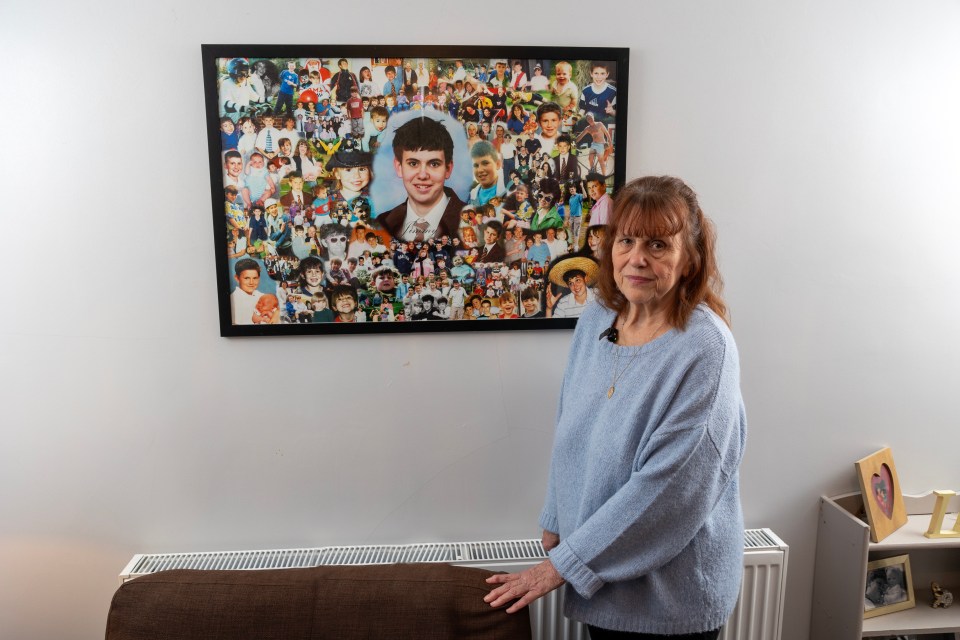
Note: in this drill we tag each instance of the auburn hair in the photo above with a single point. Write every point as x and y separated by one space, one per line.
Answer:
662 206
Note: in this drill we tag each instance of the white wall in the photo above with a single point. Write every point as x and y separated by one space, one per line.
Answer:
823 138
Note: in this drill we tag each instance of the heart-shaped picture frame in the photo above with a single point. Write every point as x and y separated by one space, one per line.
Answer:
882 490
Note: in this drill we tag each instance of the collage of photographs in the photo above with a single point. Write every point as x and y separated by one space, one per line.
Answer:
408 189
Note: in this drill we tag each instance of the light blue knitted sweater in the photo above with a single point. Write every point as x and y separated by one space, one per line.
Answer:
643 486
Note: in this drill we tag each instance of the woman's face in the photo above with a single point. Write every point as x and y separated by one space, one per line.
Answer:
648 269
354 178
302 148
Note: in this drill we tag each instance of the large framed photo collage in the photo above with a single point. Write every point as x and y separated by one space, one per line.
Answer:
360 189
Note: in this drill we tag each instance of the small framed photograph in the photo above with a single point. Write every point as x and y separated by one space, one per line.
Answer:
889 587
882 498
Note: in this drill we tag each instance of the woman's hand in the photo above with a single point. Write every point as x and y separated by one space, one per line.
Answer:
524 587
549 540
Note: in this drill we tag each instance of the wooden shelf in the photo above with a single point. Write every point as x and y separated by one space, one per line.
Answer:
843 551
921 619
910 536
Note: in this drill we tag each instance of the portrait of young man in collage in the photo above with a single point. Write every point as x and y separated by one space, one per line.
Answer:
414 189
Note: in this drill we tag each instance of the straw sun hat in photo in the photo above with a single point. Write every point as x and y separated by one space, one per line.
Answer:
575 263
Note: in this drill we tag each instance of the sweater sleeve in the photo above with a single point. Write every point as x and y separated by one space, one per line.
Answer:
678 477
548 517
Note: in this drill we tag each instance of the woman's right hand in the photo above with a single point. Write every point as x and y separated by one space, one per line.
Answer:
549 540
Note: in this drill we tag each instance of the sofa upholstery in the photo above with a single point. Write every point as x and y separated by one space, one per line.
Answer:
423 601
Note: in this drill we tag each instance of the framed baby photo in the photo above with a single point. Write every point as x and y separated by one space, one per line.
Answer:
378 189
889 587
882 498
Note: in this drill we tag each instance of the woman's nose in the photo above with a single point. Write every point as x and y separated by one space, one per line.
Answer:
638 256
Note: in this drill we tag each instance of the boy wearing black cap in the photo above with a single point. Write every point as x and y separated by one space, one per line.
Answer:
351 168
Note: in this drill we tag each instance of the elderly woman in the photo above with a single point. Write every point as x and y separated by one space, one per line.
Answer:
642 517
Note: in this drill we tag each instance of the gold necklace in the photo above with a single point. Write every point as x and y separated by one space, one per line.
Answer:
618 374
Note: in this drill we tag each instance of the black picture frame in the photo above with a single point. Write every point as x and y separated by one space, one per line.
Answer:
216 58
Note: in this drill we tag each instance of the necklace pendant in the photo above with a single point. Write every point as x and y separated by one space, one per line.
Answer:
610 391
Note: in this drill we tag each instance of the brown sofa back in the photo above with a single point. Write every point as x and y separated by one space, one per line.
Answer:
422 601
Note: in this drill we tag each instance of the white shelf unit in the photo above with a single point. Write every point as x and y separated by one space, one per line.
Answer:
843 551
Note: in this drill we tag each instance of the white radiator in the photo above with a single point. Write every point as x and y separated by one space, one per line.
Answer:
758 615
759 611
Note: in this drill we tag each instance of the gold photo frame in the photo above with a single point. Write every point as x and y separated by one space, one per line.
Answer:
889 587
882 498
